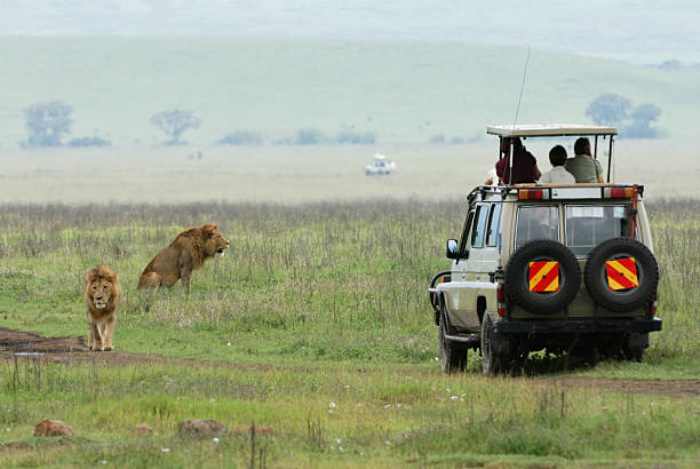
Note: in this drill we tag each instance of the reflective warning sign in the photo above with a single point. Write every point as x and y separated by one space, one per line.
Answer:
544 276
622 274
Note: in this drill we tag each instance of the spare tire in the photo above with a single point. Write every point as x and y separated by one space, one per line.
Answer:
622 275
542 277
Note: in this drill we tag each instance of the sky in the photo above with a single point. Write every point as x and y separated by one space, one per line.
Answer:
640 31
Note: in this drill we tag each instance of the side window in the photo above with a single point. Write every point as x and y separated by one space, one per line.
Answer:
494 224
537 223
465 232
479 228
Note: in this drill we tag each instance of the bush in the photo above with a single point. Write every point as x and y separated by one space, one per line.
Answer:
309 136
83 142
241 137
350 137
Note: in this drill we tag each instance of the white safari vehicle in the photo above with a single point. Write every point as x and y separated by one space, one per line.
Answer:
380 166
565 268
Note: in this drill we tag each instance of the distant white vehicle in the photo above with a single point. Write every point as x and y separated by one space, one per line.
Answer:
380 166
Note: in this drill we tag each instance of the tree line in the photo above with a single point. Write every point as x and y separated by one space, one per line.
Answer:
49 124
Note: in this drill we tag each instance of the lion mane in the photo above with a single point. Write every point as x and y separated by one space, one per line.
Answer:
102 294
185 254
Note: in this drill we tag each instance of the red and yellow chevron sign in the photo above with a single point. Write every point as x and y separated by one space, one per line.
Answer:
544 276
622 274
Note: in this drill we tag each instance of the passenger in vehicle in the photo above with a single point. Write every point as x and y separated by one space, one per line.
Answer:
583 166
524 164
558 174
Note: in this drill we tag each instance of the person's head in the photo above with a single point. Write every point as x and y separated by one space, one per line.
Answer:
507 141
582 146
557 156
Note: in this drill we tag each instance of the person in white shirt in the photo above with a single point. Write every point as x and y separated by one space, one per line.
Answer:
558 174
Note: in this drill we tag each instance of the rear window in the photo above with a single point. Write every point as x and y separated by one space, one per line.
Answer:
588 226
533 223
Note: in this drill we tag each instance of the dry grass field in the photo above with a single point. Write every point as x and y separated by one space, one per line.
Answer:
297 174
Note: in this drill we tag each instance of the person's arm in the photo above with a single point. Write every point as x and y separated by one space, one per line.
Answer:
536 172
599 171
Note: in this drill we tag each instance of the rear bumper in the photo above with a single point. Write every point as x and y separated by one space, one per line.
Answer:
578 326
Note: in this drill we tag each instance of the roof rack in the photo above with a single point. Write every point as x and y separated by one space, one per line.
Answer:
549 130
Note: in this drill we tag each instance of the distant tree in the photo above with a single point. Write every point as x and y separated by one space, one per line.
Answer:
47 123
609 109
309 137
241 137
641 122
438 139
174 123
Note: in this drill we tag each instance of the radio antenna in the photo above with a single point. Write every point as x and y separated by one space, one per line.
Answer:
522 87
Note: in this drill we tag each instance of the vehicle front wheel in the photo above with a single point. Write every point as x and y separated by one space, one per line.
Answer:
453 355
495 356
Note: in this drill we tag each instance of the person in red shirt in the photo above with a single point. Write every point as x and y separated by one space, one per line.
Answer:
524 164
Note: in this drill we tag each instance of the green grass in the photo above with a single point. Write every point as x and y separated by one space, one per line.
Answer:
316 324
403 91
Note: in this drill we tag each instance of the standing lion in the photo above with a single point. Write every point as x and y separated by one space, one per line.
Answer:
186 253
102 294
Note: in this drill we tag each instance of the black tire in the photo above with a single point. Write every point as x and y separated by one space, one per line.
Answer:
453 355
517 282
623 301
634 347
495 353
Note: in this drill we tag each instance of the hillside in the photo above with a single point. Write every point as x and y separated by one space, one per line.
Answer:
405 92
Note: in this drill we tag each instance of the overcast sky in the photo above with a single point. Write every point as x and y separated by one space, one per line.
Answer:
645 31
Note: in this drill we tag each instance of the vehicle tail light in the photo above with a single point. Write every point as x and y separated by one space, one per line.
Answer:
533 194
620 192
652 308
501 299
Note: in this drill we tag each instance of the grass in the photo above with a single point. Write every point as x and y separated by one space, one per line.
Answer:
402 91
317 324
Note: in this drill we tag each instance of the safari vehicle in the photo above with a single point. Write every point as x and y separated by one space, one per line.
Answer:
568 269
380 166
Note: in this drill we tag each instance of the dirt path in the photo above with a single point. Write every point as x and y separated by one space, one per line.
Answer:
69 350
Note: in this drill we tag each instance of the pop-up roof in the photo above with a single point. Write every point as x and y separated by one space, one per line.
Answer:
549 130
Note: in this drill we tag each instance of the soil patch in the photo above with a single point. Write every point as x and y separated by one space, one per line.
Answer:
69 350
29 342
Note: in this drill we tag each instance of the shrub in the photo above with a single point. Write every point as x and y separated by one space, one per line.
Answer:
241 137
350 137
309 136
83 142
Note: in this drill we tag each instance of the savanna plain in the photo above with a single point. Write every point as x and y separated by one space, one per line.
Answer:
316 328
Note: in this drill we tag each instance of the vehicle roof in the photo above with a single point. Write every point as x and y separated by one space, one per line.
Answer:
548 130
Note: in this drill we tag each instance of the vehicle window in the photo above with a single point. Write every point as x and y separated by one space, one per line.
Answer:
537 223
588 226
494 223
465 232
479 228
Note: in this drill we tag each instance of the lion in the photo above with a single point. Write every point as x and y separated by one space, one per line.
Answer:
102 295
186 253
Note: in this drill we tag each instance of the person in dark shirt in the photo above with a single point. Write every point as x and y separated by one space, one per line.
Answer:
524 164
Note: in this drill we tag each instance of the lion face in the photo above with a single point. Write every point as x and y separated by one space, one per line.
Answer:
101 287
214 242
